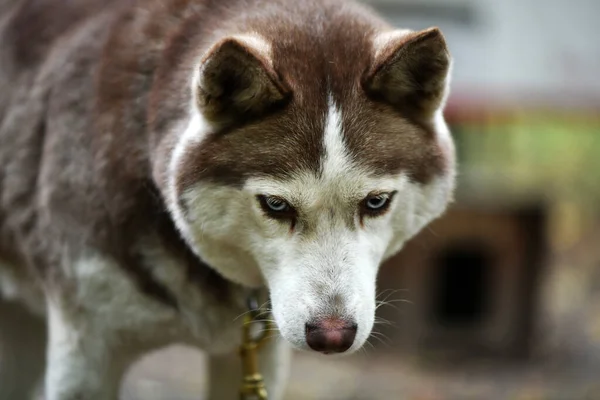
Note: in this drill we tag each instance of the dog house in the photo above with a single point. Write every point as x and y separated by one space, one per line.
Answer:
471 280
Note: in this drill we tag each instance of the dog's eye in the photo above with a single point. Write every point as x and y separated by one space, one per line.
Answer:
276 207
276 204
376 204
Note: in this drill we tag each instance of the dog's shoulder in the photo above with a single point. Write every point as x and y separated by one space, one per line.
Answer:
58 184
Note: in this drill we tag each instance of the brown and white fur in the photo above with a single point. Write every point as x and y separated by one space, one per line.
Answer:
138 143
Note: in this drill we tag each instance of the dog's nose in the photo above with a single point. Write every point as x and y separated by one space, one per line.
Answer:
330 335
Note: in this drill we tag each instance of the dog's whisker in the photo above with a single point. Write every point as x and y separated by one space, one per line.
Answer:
387 296
392 291
397 301
383 339
263 313
264 320
242 315
383 292
262 310
384 301
383 321
371 346
387 304
271 337
392 303
379 334
389 293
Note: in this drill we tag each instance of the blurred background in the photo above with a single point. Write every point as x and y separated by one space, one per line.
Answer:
499 299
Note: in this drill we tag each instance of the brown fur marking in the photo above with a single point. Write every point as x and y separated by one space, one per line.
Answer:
109 80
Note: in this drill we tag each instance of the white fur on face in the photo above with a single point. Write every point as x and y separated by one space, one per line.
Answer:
195 131
327 265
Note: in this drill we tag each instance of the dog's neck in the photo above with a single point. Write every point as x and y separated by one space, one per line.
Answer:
196 271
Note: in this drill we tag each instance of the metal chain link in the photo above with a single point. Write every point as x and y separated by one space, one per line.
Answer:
253 386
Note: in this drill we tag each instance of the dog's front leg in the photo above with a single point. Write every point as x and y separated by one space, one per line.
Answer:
81 363
274 363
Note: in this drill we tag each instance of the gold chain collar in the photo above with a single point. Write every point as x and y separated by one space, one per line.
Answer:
255 333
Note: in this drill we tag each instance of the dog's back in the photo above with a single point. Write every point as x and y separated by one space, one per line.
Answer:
47 52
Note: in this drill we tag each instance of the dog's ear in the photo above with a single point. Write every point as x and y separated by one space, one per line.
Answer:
236 81
410 71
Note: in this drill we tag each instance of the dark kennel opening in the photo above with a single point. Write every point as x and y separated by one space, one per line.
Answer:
461 283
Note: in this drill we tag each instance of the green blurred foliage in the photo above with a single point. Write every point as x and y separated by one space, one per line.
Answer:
551 154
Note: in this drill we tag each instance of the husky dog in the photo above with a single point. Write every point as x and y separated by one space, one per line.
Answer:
161 159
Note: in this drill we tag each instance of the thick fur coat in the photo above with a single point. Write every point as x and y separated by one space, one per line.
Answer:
161 158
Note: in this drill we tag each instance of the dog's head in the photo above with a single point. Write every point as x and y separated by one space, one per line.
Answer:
306 162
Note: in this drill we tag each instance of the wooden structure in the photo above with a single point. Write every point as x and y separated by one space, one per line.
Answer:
472 279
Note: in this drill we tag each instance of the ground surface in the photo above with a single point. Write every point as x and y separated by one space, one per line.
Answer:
177 374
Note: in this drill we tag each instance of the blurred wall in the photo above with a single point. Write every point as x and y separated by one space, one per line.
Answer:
514 50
